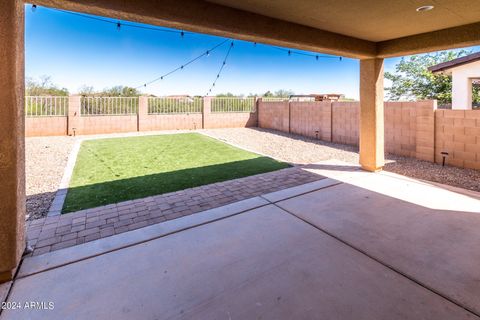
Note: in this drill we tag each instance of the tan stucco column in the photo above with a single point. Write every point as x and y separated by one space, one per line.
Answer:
371 114
12 137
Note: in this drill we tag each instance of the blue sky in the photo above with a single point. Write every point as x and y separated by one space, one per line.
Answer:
76 51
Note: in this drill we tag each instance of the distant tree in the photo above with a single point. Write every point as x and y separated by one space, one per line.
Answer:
412 80
86 90
119 91
268 94
228 94
283 93
43 87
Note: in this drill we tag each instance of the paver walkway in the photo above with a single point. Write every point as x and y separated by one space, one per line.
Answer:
53 233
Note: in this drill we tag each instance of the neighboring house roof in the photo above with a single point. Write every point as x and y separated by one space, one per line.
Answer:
455 63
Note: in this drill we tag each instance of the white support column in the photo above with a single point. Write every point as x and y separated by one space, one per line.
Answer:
371 115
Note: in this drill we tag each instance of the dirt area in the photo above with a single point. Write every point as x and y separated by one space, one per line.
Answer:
301 150
45 158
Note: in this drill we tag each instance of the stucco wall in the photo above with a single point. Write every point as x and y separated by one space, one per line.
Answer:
462 85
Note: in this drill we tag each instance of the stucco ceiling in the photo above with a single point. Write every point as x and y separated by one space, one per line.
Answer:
374 20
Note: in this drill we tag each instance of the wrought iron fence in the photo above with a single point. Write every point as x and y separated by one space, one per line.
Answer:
46 106
274 99
171 105
103 106
233 104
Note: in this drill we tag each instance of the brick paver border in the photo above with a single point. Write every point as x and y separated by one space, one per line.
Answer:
62 231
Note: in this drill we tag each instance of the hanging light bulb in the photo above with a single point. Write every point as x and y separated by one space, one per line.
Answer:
119 26
340 58
34 7
145 85
218 76
181 67
161 78
182 34
316 57
254 44
224 62
289 52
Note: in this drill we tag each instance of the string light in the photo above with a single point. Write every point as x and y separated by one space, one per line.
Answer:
181 67
181 32
316 56
116 23
221 68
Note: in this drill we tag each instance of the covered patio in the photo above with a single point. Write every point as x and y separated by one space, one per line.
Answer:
353 245
356 244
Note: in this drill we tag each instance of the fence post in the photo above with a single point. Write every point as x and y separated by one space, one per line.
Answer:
74 113
207 109
142 112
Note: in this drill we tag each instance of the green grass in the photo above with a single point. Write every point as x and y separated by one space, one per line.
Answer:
113 170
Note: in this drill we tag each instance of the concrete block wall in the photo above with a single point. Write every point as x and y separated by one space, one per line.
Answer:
457 132
45 126
400 128
105 124
75 123
311 119
345 122
274 115
424 129
231 120
154 122
412 129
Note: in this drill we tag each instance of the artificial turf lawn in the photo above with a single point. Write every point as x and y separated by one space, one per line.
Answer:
119 169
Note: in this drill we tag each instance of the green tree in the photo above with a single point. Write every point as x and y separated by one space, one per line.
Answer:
43 87
413 81
228 94
119 91
268 94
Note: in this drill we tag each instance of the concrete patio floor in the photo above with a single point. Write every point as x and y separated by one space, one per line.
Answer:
355 245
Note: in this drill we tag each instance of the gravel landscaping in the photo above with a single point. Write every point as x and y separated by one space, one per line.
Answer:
301 150
45 158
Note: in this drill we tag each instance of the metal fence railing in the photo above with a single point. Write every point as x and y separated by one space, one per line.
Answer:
233 104
46 106
102 106
169 105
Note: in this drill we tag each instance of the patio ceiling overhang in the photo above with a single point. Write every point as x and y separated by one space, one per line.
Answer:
369 30
355 29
